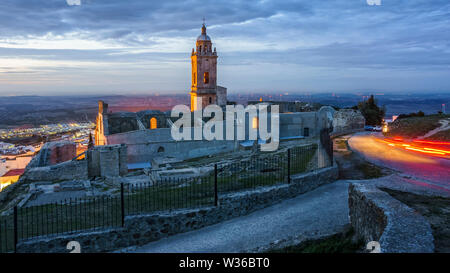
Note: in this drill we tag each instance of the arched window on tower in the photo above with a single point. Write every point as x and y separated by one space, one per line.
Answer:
153 123
210 100
206 77
195 78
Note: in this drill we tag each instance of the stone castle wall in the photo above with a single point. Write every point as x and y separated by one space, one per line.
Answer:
107 161
144 145
102 161
69 170
53 153
347 121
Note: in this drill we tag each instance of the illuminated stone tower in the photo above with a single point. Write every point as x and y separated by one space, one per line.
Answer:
204 74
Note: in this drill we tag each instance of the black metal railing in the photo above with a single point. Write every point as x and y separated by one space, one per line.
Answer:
99 212
169 194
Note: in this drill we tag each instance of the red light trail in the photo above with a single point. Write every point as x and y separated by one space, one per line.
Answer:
432 142
434 148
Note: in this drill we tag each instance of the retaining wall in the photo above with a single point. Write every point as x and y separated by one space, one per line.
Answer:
376 216
142 229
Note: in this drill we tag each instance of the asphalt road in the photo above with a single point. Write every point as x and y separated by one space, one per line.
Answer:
434 171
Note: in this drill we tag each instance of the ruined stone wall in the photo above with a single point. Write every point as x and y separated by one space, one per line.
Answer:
146 116
347 121
107 161
122 122
53 153
142 229
144 145
69 170
376 216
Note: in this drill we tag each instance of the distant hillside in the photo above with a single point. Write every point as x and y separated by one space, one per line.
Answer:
32 111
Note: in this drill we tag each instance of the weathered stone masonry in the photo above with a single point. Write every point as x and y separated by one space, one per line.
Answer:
376 216
102 161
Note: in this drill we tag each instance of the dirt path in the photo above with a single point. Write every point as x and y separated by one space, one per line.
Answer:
445 125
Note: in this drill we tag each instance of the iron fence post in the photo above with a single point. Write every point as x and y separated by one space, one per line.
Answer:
15 229
216 197
289 165
122 204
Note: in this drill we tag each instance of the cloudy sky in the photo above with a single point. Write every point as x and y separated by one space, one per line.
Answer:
143 46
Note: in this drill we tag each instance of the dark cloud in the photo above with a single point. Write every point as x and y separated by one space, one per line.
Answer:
399 35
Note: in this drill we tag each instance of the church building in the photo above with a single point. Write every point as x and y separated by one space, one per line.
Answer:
204 86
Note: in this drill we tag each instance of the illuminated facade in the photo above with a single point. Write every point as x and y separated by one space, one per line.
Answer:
204 74
10 177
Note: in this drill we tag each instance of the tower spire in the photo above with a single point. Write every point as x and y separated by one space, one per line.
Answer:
204 26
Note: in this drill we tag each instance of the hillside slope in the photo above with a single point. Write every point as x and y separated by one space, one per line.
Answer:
414 127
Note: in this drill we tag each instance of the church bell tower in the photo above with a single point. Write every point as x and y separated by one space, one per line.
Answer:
204 74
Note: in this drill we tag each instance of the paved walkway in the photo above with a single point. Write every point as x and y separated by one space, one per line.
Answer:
323 211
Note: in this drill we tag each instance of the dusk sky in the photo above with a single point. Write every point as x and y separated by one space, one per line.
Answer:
50 47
